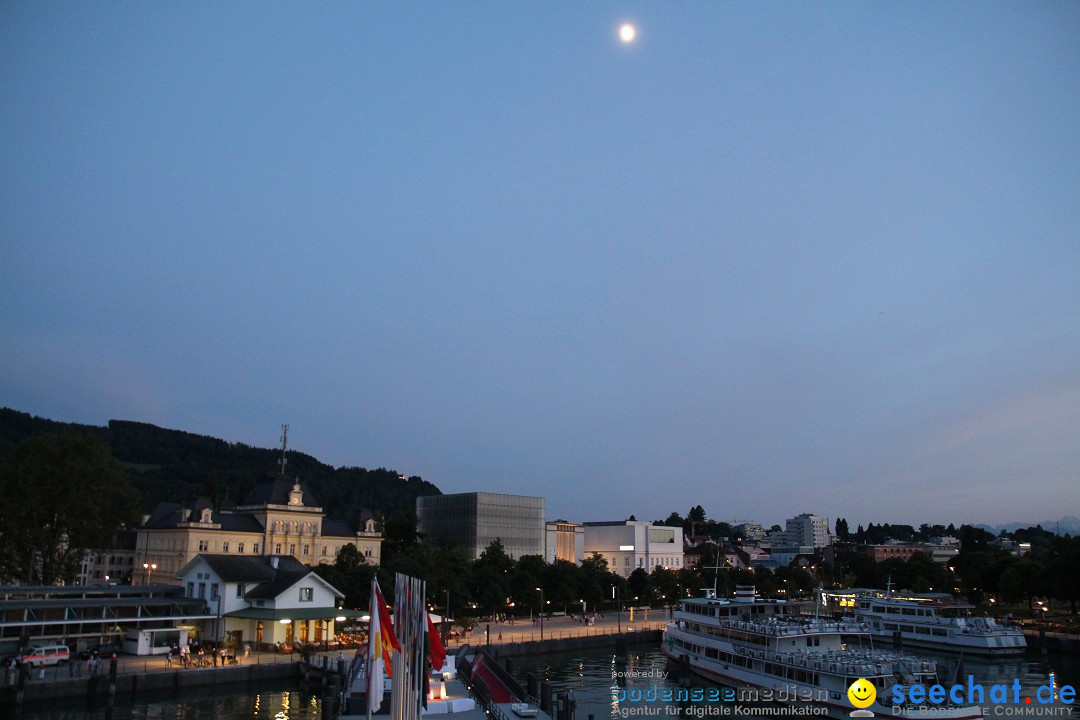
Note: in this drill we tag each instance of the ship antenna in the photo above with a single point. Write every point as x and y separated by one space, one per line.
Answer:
284 446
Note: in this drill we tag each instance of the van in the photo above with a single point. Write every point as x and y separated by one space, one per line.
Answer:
46 655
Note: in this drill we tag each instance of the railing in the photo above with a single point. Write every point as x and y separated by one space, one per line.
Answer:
504 633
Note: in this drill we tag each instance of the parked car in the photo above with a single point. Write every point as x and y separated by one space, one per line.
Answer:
103 650
45 655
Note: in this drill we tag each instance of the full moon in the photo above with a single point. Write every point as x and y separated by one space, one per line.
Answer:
627 33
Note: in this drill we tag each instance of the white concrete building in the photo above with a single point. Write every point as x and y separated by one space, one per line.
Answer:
564 540
807 530
631 544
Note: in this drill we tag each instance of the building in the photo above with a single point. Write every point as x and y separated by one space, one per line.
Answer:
109 565
751 531
145 619
280 517
265 600
564 541
806 530
631 544
939 553
472 521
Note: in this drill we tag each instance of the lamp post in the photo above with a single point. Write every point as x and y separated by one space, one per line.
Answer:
541 613
446 620
618 605
149 568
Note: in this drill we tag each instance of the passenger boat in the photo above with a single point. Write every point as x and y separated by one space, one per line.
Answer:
937 623
767 652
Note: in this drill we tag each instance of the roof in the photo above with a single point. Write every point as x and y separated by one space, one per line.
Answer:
281 582
239 568
275 491
337 528
277 614
168 515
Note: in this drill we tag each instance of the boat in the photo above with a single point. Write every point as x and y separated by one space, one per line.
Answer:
771 654
936 622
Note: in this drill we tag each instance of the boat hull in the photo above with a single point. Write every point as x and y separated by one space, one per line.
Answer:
836 706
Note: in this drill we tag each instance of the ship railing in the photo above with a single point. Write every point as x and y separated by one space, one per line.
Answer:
861 666
781 629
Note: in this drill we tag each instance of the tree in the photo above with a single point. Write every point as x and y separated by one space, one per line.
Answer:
842 531
641 589
351 574
72 497
491 577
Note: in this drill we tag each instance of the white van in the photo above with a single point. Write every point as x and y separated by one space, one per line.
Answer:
46 655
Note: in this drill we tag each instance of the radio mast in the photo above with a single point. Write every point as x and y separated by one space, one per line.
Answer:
284 446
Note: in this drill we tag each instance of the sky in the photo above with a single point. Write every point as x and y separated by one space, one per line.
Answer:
769 258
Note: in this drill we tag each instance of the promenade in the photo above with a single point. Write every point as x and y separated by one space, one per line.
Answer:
146 672
560 627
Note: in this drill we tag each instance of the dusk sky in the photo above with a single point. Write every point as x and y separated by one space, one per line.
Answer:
769 258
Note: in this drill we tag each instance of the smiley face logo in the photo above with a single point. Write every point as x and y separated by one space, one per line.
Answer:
862 693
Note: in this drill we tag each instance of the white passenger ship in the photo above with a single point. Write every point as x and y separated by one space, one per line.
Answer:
750 643
937 623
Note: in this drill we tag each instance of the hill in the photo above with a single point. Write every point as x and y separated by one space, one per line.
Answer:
173 465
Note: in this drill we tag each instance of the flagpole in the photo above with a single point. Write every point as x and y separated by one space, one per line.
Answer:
371 644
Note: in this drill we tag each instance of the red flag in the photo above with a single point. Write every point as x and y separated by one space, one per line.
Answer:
438 652
388 641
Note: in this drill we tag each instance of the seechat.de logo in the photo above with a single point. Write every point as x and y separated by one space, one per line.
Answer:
862 694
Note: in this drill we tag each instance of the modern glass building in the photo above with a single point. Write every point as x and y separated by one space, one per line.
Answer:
473 520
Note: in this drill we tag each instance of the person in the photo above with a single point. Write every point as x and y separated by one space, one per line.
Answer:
247 650
168 660
214 653
112 666
221 654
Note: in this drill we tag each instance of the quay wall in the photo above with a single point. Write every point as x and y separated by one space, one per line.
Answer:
1060 642
97 687
632 640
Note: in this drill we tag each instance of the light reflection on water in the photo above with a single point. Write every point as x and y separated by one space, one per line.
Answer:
590 675
262 702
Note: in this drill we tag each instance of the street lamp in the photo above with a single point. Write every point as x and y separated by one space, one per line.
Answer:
541 613
618 605
446 620
149 568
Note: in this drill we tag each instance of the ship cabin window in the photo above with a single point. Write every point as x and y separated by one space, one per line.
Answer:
908 611
813 641
864 605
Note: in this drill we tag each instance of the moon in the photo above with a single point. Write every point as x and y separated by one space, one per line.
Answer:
627 33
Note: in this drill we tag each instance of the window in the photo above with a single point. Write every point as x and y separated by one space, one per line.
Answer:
225 547
324 551
292 548
307 549
239 547
214 591
307 594
239 590
191 589
255 548
277 548
204 545
202 591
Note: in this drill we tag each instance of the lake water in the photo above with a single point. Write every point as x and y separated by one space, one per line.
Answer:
588 674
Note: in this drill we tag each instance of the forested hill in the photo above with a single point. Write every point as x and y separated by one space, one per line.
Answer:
172 465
